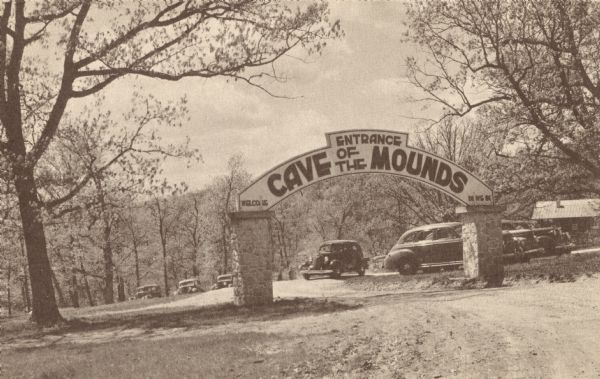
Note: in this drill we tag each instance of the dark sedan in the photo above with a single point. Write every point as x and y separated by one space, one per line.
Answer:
148 292
188 286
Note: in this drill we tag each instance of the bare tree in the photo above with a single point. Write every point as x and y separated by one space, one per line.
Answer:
136 235
289 227
121 162
163 40
532 66
166 213
223 193
195 228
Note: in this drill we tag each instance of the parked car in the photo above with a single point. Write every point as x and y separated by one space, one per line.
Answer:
551 238
225 280
440 246
148 292
188 286
334 258
554 240
520 245
428 246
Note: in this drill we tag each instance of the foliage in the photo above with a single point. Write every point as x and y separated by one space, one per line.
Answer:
100 42
529 66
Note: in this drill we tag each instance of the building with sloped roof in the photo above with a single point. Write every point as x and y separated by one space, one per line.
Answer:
580 218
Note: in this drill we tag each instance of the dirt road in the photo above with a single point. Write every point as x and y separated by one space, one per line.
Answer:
541 331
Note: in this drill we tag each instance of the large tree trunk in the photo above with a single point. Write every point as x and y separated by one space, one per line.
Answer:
225 248
86 284
25 286
120 289
137 264
107 254
74 290
109 293
165 271
45 311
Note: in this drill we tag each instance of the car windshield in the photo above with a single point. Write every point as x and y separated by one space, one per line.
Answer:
146 288
334 248
416 236
325 249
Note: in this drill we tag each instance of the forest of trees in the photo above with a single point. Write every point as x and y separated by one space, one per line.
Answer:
58 161
110 240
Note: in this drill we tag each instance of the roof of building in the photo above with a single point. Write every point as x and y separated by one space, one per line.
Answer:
566 209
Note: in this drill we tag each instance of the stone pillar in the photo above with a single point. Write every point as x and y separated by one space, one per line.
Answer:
252 258
482 243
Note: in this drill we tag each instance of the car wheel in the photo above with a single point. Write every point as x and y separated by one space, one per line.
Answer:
337 271
520 255
407 267
306 276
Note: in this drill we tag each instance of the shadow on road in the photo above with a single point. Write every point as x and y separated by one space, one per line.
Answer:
198 317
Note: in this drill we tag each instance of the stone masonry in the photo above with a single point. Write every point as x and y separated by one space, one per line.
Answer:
251 245
482 243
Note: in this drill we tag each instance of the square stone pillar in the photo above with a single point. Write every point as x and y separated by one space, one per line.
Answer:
482 243
252 258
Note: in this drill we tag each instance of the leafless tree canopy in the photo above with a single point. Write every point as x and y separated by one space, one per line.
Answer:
531 65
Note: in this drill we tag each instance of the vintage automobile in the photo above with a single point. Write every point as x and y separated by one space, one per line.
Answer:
335 258
225 280
440 246
520 245
551 238
148 292
188 286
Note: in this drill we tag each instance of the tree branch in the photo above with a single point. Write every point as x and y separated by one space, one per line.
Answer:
65 88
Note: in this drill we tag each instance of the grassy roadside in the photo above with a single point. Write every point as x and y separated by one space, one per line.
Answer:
565 268
227 355
227 341
220 341
94 320
19 320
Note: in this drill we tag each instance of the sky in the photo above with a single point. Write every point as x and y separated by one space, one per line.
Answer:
358 82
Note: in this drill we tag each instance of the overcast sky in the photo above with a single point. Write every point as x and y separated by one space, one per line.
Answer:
358 82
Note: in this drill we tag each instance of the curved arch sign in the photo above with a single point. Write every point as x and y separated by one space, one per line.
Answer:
364 151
